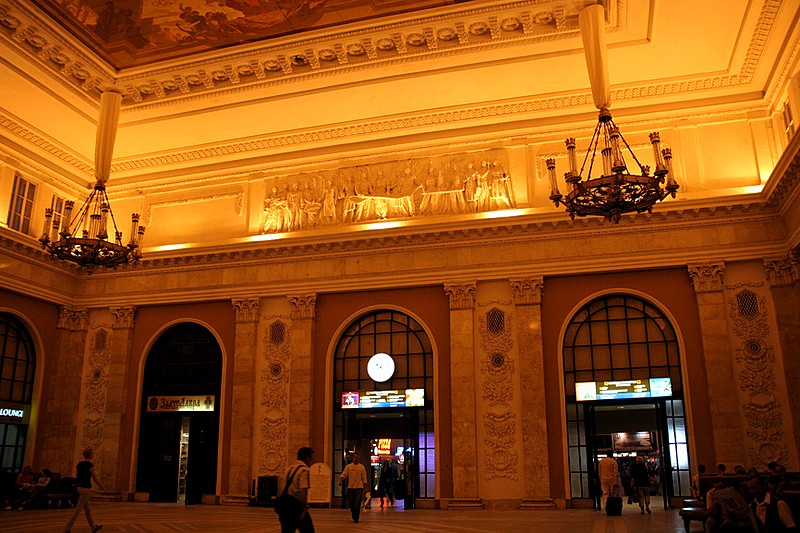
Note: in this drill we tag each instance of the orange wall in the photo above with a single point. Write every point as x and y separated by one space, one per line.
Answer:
431 305
221 318
671 288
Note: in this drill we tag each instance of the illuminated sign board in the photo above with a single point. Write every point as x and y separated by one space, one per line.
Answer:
164 404
14 413
623 390
383 398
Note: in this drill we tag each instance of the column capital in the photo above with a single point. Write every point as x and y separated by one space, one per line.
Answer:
527 291
782 271
246 309
461 294
73 319
303 306
123 317
707 277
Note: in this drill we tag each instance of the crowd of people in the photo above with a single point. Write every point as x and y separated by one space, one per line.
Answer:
746 500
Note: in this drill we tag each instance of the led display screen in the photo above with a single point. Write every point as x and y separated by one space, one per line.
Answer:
623 390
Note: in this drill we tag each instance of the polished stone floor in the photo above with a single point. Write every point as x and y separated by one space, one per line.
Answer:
171 518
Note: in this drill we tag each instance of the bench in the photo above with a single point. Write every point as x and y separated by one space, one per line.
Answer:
693 513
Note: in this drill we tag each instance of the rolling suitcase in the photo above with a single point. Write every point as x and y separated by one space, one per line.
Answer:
614 503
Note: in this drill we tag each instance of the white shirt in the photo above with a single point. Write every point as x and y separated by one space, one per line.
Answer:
784 512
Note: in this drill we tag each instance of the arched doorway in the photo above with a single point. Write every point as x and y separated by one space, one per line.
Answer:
17 371
178 436
383 401
624 394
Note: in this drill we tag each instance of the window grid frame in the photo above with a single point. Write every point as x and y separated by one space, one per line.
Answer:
635 310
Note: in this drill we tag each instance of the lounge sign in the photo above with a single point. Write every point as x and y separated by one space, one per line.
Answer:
173 404
13 413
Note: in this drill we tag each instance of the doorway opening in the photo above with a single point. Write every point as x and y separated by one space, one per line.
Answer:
624 431
383 403
178 435
386 438
621 350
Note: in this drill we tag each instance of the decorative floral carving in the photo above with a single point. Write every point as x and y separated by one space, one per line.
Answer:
303 306
497 368
706 278
756 376
782 272
274 394
246 309
461 295
123 317
73 319
527 291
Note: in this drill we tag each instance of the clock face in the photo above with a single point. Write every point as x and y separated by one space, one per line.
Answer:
380 367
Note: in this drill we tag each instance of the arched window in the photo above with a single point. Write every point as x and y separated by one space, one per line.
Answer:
405 340
613 338
17 370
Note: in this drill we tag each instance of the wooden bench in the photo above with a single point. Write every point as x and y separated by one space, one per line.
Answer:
693 513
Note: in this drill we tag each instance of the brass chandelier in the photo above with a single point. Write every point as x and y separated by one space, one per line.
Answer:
616 190
84 239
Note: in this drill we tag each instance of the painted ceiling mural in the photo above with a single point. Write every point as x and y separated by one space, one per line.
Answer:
129 33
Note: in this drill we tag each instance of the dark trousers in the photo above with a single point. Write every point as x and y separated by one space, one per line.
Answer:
354 497
290 524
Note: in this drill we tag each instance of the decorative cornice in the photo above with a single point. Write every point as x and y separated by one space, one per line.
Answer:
782 272
707 277
304 306
73 319
461 294
527 291
123 316
238 196
246 309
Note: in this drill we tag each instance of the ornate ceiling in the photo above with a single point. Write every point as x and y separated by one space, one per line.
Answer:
128 33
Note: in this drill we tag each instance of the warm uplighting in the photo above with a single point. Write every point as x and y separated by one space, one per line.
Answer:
615 191
84 240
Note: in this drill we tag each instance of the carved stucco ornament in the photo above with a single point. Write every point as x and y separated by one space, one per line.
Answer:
461 294
274 394
497 368
756 374
707 277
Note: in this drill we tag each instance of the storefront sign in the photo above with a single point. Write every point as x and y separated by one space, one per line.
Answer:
164 404
622 390
383 398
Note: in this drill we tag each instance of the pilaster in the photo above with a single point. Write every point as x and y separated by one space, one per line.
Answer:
240 471
527 294
783 278
301 378
117 410
726 420
59 423
463 392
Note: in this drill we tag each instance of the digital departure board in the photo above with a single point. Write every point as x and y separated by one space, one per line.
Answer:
624 389
383 398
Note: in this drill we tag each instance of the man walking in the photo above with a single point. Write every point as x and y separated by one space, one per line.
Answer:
354 478
296 482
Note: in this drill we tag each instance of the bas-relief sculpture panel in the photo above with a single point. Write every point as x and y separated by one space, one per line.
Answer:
446 185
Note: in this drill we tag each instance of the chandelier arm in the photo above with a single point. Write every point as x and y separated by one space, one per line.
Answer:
592 150
113 220
628 146
81 217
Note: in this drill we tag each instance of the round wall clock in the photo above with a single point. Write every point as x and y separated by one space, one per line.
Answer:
380 367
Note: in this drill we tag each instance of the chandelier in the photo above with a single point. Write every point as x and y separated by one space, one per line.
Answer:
616 190
84 239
